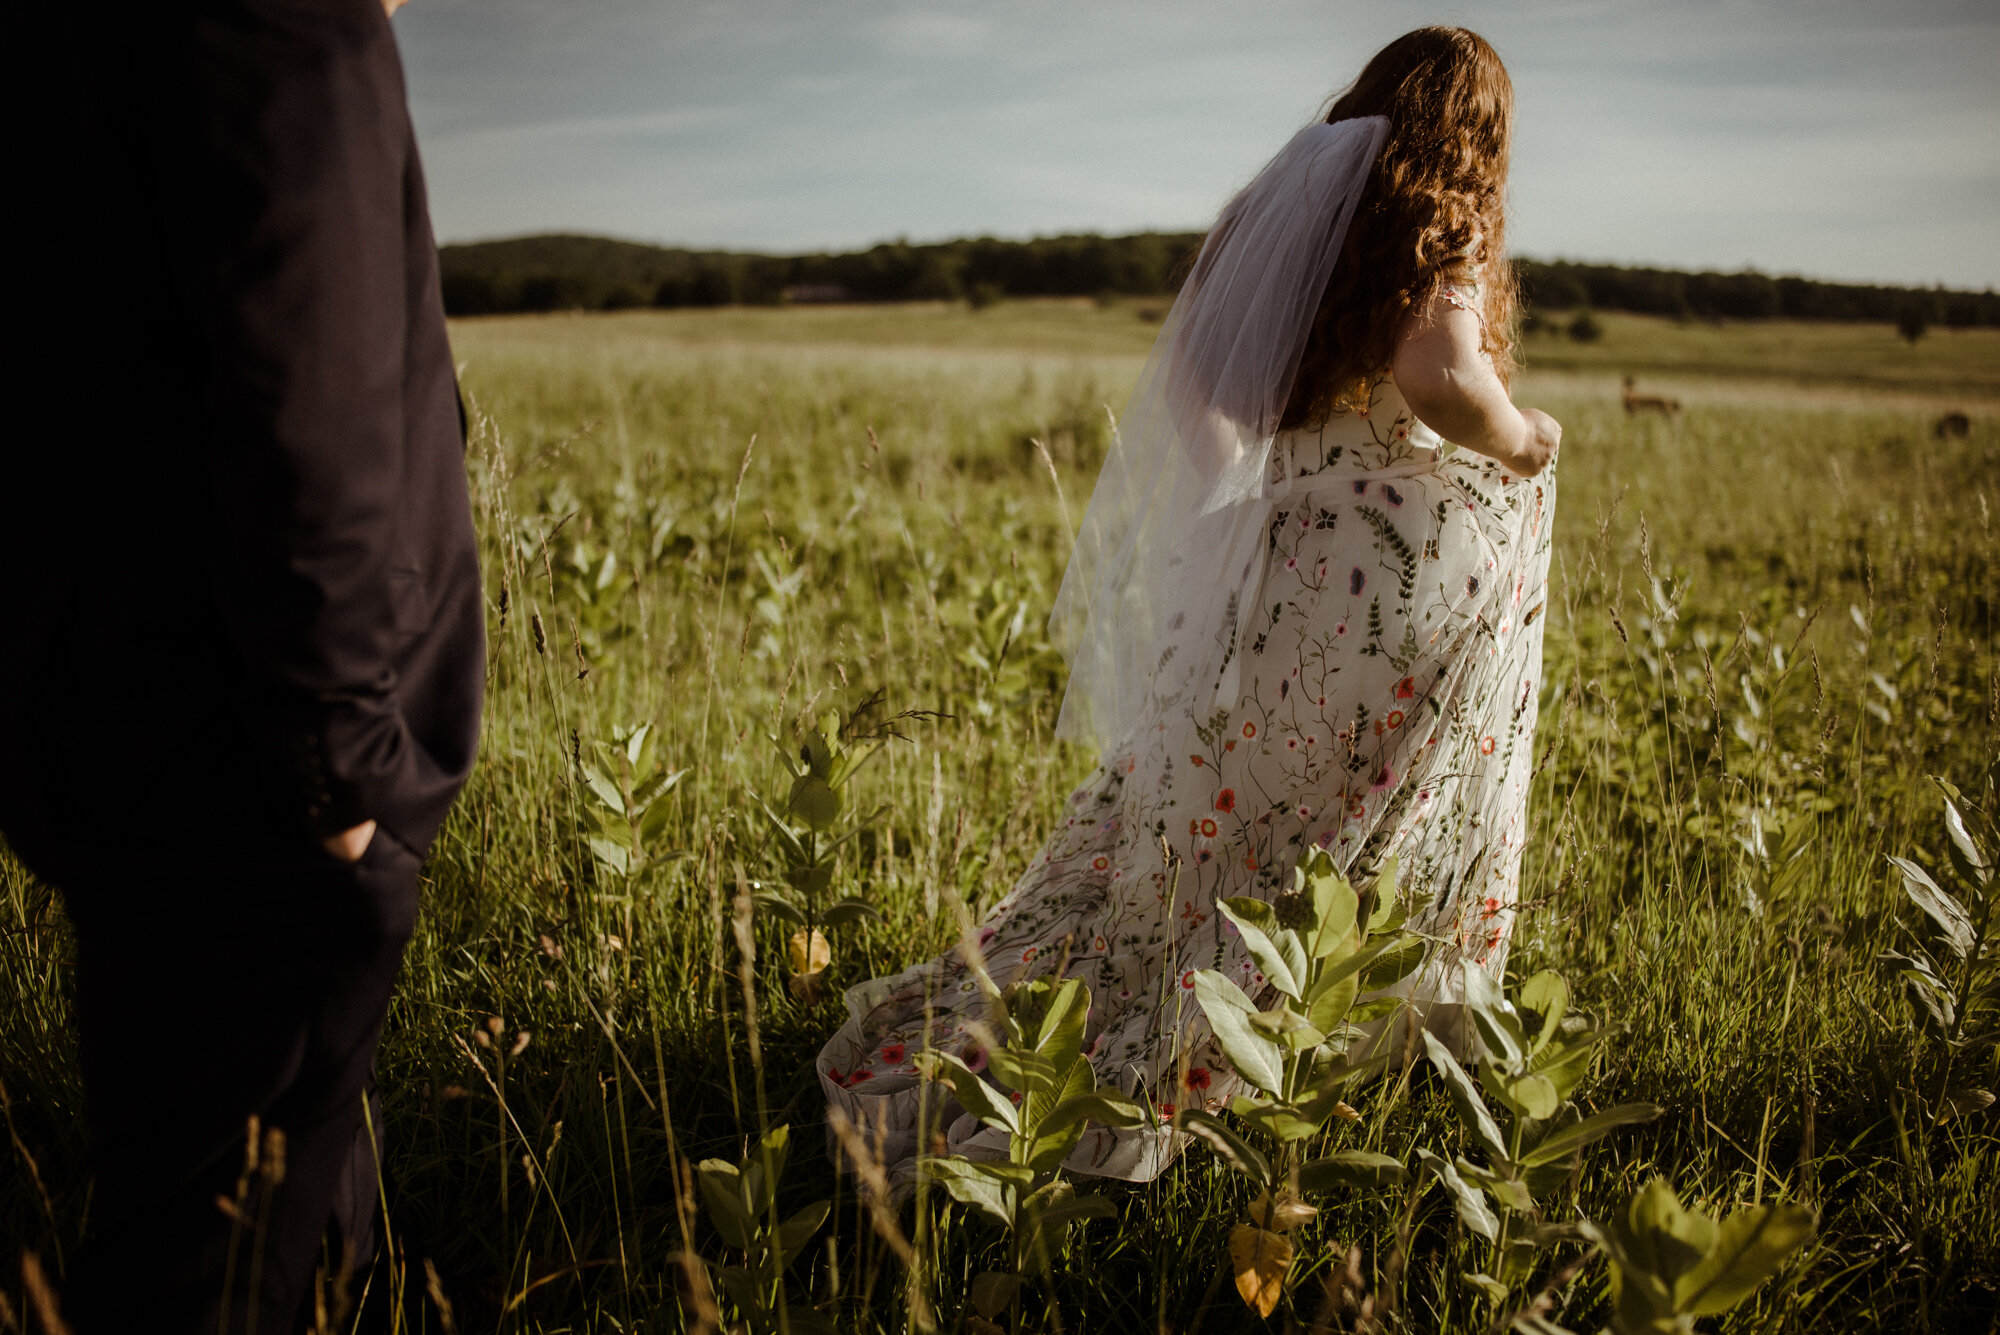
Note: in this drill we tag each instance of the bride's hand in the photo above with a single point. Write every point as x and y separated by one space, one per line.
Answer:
1544 440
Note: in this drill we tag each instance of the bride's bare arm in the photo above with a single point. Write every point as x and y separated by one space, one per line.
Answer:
1449 384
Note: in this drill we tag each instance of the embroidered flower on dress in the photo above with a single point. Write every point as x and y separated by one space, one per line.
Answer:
1226 800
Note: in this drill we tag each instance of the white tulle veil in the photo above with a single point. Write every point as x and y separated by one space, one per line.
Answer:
1146 612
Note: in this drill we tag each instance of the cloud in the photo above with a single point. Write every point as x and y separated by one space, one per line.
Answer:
1838 138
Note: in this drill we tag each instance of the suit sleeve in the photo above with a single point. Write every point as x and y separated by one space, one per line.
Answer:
307 145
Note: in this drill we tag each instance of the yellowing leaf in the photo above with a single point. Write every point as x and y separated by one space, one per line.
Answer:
1260 1259
809 957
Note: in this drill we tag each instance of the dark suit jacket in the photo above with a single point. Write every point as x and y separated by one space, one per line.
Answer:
246 603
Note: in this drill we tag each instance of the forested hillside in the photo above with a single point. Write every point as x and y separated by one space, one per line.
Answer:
547 273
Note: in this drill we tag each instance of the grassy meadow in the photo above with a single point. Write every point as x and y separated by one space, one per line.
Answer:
1776 614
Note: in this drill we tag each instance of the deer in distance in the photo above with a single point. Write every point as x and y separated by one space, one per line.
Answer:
1636 402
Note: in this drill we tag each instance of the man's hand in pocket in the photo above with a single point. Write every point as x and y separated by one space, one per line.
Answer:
349 845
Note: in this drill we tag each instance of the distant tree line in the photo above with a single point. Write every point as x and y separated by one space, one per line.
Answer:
551 273
1748 295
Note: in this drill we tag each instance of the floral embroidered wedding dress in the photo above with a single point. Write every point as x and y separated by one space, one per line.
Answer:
1385 705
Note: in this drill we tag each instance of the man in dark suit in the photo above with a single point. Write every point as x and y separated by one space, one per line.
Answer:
243 665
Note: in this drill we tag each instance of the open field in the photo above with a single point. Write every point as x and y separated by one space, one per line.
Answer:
1777 614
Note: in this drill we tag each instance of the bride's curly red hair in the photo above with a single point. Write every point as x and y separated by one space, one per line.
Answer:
1433 210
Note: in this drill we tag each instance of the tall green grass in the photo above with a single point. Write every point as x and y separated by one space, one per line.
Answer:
1775 620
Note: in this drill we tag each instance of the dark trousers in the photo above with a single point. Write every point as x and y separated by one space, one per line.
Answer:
212 988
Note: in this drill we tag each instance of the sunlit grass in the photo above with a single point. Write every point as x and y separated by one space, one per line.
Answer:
1775 618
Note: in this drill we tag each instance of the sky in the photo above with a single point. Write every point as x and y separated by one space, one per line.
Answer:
1831 138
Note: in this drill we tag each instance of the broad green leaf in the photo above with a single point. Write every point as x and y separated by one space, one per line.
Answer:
994 1292
763 1169
851 760
989 1187
1235 1151
1530 1096
1029 1072
1498 1026
659 787
795 1232
779 907
1971 863
1255 1057
1509 1191
1104 1106
721 1188
1937 1005
1571 1139
1351 1168
1280 1121
1288 1027
1965 1102
1276 949
1400 958
1331 1003
1376 1009
815 802
1547 995
1493 1290
1334 907
1659 1237
1945 911
1471 1109
607 791
1072 1209
1748 1249
1047 1149
789 846
1566 1061
1388 911
635 745
1061 1034
1470 1202
611 853
848 912
973 1094
659 815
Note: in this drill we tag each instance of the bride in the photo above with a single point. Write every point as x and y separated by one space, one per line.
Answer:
1305 610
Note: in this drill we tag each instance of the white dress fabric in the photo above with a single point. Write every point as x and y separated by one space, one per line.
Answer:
1379 699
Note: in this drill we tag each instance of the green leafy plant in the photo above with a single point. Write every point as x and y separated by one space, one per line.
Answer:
1004 646
1957 999
1043 1093
628 812
815 823
1320 946
1671 1264
1536 1055
742 1202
